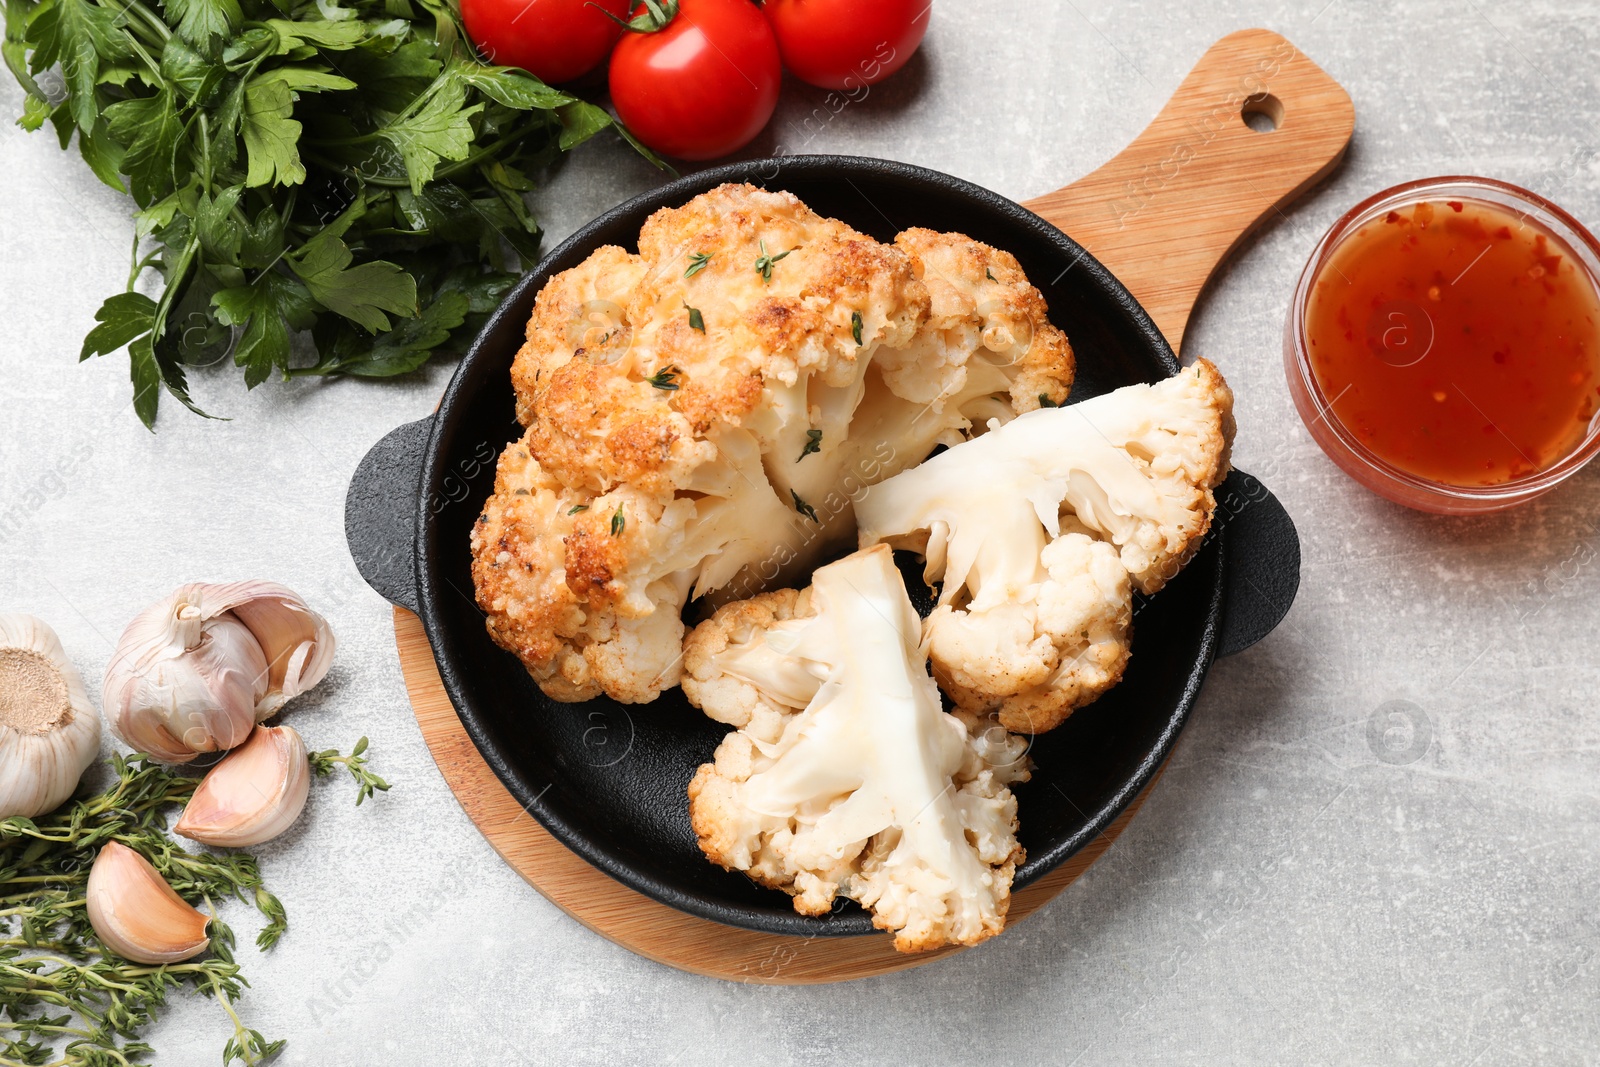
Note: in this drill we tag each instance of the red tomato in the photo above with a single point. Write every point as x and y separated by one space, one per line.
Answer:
555 40
845 44
703 86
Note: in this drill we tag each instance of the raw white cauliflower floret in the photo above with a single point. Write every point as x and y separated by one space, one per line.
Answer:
846 777
1040 529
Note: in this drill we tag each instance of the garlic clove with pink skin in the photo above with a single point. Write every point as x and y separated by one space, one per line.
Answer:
254 794
197 671
297 642
136 914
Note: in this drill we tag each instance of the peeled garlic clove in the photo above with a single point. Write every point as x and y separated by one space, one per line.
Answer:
254 794
136 913
49 732
197 671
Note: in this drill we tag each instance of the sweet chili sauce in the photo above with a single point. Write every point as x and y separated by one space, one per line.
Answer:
1458 341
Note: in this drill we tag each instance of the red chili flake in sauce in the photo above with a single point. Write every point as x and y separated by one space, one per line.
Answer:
1463 347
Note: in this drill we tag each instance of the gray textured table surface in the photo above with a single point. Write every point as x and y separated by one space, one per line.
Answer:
1306 884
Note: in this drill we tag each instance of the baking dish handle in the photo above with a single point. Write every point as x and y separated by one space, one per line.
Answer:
1263 561
380 512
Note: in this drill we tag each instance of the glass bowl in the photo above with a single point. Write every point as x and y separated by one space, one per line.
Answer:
1322 420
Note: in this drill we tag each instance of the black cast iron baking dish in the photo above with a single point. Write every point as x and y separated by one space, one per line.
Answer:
608 780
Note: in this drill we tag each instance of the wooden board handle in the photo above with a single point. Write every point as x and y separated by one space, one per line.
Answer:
1198 179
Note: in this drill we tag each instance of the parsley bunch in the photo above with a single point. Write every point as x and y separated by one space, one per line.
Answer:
344 167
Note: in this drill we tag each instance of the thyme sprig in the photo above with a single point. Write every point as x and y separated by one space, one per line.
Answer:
68 1001
324 764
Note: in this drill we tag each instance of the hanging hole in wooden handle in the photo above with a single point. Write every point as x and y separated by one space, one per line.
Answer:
1262 112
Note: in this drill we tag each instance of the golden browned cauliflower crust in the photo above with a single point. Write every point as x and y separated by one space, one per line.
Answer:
978 296
579 313
544 562
728 388
598 419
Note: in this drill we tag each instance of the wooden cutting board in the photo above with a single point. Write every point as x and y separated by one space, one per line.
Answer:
1161 215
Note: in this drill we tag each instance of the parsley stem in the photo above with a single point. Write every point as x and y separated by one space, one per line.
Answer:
149 18
175 281
150 62
205 148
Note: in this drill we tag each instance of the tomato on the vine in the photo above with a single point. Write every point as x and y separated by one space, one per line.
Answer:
703 84
846 44
555 40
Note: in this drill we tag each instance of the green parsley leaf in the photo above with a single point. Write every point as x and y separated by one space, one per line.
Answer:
150 127
441 130
121 319
271 137
579 122
335 36
199 21
813 443
77 34
146 378
409 344
514 87
361 293
189 70
697 263
805 509
267 309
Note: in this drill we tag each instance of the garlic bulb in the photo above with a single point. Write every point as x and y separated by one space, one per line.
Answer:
254 794
49 732
136 913
196 672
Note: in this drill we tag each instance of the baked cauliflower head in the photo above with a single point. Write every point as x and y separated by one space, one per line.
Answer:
700 415
1040 530
846 777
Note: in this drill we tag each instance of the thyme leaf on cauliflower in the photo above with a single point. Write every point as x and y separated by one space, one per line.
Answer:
805 509
619 522
696 321
698 261
764 262
855 327
813 443
665 379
